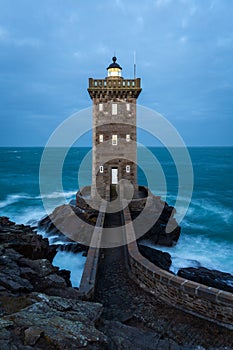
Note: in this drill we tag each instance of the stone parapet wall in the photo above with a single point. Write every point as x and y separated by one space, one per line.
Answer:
88 281
206 302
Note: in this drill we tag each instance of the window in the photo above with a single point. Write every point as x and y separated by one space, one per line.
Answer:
114 140
101 138
127 168
128 107
114 109
127 138
101 107
101 169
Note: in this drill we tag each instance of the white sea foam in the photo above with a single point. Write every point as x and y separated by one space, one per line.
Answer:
28 217
55 195
193 250
197 226
207 207
201 208
72 262
13 198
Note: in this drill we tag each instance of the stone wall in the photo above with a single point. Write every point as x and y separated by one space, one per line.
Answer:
87 284
206 302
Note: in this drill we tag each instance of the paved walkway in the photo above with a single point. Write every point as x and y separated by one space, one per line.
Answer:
124 301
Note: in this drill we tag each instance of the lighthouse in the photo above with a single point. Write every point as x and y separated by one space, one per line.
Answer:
114 137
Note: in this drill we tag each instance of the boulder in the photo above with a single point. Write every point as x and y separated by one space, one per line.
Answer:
73 247
164 230
54 323
160 259
20 271
70 224
24 241
125 337
211 278
38 307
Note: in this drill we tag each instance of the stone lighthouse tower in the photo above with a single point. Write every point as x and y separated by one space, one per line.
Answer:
114 151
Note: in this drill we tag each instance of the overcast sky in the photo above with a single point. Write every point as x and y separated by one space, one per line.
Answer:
49 49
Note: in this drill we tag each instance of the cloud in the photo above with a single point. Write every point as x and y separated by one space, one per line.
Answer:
183 39
73 18
179 43
30 42
192 10
4 34
102 50
7 37
119 4
140 20
212 5
162 3
225 41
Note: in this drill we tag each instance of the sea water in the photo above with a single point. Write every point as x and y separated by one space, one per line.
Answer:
206 230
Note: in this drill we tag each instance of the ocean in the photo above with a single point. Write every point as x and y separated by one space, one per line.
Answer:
206 229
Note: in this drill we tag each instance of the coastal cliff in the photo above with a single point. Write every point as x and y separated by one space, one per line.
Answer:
40 310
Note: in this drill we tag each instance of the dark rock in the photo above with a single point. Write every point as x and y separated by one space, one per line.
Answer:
124 337
164 229
42 267
29 320
25 241
5 222
56 323
73 248
67 292
160 259
65 274
211 278
32 335
51 281
15 283
19 273
70 223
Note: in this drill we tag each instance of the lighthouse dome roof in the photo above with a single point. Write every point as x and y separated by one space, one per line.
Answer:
114 64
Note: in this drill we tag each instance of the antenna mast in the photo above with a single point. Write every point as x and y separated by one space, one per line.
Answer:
134 64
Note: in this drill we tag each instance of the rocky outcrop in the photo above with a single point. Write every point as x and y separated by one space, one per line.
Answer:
24 241
51 322
160 259
38 307
73 248
39 310
124 337
70 224
164 230
26 263
211 278
75 223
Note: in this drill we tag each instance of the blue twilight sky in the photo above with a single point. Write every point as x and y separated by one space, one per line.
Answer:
49 49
